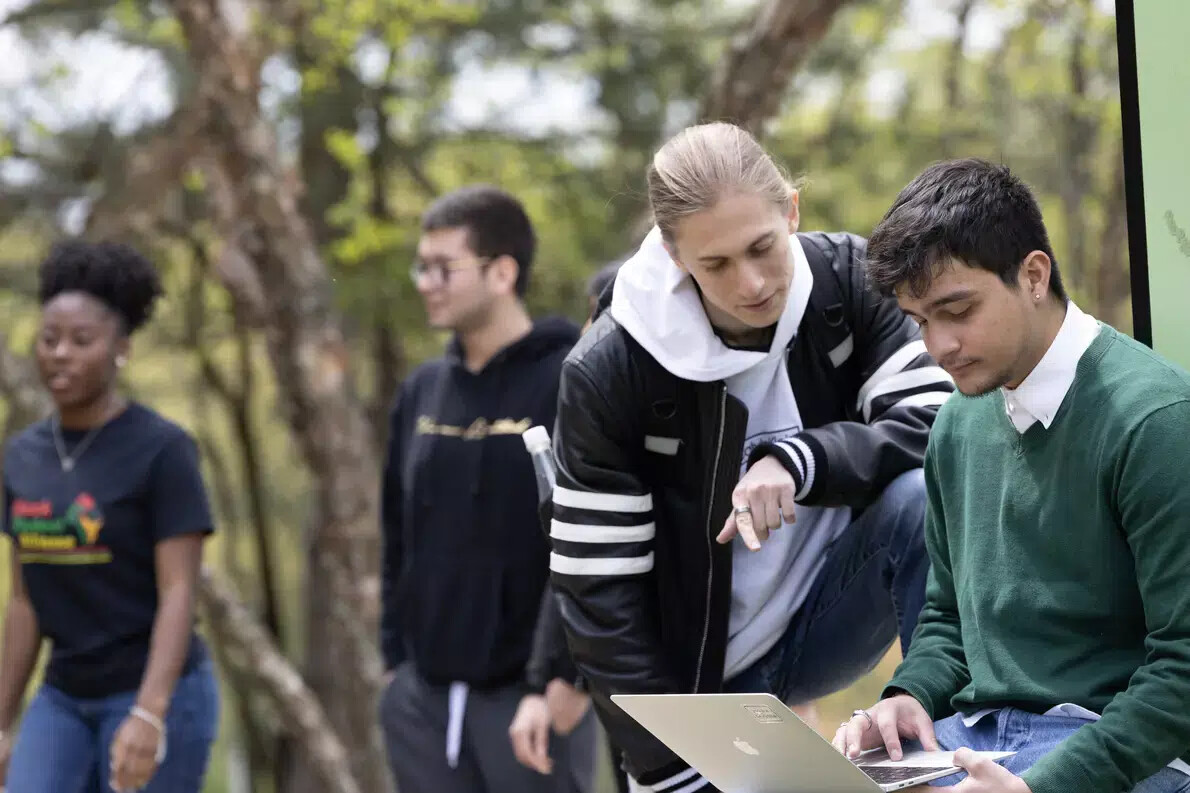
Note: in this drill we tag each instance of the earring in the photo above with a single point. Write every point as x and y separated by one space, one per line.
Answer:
120 361
1036 297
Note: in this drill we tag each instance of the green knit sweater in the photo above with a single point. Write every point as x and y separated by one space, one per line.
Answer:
1061 567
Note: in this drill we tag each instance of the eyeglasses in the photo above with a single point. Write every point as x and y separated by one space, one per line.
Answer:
437 274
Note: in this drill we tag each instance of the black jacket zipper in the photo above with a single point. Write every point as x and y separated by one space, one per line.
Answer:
706 625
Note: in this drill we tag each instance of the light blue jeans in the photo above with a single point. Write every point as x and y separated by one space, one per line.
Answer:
1031 736
868 595
64 743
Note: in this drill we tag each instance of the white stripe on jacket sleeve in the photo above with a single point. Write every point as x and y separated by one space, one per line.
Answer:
602 502
894 376
687 781
601 534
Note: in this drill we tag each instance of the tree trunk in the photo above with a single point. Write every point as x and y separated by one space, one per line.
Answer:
249 654
1079 130
1113 287
389 364
256 207
754 74
388 351
954 57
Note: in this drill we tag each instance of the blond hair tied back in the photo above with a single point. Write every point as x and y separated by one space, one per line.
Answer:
702 164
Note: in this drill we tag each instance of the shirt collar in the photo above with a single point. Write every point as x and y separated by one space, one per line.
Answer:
1039 395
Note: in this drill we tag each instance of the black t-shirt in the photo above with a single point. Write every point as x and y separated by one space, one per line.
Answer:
86 540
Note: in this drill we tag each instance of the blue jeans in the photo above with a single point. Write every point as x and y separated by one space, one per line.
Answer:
1031 736
869 592
64 743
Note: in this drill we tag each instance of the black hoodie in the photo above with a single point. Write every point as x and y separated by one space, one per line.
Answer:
465 558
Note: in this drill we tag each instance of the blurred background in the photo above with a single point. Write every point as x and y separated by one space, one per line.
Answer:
274 156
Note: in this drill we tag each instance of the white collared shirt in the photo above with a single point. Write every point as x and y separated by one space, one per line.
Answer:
1039 395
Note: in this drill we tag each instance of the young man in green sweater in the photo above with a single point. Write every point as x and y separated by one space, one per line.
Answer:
1057 616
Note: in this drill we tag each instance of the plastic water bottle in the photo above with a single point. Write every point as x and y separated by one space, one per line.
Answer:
537 442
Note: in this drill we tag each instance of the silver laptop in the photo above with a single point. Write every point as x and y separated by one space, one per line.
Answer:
753 743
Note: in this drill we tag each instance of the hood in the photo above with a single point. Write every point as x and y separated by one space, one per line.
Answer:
549 334
659 305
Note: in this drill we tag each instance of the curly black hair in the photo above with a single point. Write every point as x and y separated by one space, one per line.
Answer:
113 273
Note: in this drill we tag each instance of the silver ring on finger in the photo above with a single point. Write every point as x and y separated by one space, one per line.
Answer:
863 713
744 510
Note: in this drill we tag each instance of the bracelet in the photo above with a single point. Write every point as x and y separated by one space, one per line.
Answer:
154 721
146 716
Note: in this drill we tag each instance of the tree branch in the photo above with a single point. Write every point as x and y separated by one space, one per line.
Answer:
138 192
252 655
238 402
954 58
752 77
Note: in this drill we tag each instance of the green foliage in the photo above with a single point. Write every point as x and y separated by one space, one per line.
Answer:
148 23
1016 104
335 30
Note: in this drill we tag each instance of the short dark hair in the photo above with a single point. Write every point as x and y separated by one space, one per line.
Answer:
967 209
113 273
602 278
496 225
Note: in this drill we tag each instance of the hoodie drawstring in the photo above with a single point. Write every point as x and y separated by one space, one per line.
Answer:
456 710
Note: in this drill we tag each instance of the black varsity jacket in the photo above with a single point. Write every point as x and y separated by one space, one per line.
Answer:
647 463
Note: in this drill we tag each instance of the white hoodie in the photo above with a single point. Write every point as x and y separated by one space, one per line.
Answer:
659 305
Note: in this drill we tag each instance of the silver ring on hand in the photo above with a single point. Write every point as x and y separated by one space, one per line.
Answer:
863 713
744 510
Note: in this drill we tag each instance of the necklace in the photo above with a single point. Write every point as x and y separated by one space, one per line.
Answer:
68 460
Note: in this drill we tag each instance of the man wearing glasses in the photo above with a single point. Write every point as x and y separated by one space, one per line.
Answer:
465 560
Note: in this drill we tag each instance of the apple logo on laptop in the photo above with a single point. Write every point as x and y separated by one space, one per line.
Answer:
745 747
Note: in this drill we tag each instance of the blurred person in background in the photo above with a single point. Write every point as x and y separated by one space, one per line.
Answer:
603 278
465 559
563 702
106 508
740 386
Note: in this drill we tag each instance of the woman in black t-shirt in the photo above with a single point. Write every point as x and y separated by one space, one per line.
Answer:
107 513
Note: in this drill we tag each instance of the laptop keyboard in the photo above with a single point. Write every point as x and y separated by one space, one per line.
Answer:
890 774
